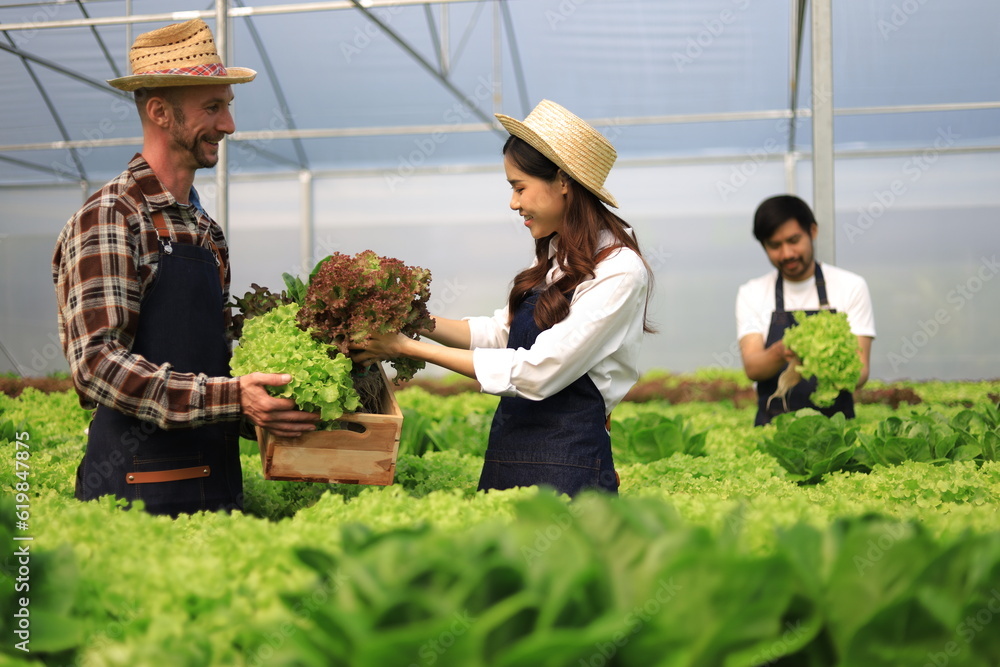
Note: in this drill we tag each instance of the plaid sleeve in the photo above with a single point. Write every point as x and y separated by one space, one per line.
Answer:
98 292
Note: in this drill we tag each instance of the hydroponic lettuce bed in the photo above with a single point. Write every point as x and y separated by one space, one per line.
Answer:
878 545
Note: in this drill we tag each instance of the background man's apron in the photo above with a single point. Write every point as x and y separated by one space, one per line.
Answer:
561 441
181 470
798 397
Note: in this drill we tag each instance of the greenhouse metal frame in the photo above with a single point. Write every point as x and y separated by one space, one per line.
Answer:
822 109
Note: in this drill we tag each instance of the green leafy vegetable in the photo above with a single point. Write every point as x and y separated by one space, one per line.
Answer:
273 343
649 437
931 437
927 439
828 350
980 428
350 298
709 560
254 303
808 445
295 288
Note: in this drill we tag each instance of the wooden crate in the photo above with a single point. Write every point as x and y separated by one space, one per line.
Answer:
364 452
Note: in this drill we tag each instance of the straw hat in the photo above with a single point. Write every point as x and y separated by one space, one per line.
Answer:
572 144
181 54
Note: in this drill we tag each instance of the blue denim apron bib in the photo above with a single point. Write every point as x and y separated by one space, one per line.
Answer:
561 441
798 397
179 470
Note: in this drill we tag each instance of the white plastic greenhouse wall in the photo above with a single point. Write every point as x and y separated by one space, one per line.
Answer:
369 126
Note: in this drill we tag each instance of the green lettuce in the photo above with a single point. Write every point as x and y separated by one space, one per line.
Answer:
648 437
828 350
321 376
809 445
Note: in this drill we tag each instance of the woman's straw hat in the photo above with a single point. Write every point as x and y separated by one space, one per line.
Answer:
182 54
572 144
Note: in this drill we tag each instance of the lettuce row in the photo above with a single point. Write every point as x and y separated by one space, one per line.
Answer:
810 445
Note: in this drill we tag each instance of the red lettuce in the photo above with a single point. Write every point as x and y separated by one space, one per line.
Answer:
350 298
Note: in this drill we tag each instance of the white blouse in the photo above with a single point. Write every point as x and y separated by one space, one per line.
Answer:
601 337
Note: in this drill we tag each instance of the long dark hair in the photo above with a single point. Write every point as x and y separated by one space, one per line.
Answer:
586 217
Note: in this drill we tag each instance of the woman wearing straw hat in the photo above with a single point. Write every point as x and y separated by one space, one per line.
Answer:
563 352
142 282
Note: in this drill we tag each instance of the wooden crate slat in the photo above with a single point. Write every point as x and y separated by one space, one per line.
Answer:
339 456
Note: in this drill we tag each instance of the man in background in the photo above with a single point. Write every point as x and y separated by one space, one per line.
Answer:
786 229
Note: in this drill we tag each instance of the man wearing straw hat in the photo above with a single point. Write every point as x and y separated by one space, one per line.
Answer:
142 281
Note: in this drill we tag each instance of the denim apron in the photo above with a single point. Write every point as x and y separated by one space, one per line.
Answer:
180 470
798 397
561 441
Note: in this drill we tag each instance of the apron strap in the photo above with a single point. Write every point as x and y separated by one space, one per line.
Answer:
163 232
821 288
160 223
779 291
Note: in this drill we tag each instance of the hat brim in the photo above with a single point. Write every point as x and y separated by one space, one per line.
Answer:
136 81
522 131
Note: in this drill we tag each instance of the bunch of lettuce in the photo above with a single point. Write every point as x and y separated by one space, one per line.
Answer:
828 350
351 297
321 377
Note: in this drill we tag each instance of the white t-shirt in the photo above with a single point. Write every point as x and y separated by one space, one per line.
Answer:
600 337
846 292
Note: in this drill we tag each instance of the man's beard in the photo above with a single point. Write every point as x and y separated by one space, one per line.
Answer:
193 145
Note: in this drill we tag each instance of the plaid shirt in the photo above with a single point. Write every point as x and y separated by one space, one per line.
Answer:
105 262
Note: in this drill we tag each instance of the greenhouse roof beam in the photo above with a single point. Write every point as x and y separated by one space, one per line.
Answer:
234 12
57 119
515 57
439 39
279 93
333 133
476 12
100 42
83 78
403 44
446 58
677 160
36 167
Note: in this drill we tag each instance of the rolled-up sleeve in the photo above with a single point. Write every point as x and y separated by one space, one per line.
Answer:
491 357
605 319
489 331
